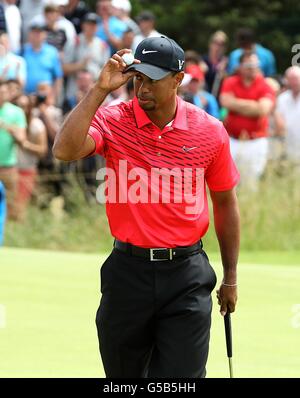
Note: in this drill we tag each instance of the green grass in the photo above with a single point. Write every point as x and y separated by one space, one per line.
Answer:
51 299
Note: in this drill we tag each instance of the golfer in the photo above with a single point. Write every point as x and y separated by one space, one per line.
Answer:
154 316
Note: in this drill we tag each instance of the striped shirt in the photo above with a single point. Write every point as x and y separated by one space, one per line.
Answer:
194 150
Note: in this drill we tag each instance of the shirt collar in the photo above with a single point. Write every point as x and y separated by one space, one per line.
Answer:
259 77
179 122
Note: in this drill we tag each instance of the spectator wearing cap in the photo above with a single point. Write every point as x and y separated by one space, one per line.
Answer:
42 61
122 9
30 9
216 62
146 22
90 53
192 58
12 66
249 100
110 28
61 22
200 97
75 11
14 24
246 43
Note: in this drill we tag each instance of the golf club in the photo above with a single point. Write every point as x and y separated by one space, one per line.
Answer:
228 335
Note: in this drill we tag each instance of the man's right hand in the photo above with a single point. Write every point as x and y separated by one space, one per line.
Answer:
112 75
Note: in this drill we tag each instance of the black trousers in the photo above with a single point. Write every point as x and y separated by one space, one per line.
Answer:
154 317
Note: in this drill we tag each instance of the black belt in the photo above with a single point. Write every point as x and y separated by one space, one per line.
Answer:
158 254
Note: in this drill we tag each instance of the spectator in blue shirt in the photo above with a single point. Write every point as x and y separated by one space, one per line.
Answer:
195 93
246 42
42 60
110 28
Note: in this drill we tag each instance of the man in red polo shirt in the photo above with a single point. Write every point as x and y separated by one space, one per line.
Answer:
155 311
249 100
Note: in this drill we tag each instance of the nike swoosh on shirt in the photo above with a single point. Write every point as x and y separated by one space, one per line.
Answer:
188 149
150 51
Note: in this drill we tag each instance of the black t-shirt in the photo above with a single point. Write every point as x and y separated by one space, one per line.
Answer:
56 38
77 15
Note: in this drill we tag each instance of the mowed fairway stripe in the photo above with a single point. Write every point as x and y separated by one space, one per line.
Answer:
51 299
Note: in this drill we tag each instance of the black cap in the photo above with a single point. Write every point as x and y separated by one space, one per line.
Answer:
37 26
159 56
145 16
91 17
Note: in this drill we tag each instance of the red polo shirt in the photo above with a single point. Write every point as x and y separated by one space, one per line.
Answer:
195 148
255 126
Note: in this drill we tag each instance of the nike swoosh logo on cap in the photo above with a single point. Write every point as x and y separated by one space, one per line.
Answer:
188 149
147 52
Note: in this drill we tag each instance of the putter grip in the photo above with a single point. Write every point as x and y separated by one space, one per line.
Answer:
228 334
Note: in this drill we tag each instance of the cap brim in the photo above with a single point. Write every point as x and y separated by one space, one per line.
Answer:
40 28
152 71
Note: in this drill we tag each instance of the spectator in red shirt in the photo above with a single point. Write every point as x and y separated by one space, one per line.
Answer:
249 100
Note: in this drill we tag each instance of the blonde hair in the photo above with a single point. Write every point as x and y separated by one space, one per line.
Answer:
219 35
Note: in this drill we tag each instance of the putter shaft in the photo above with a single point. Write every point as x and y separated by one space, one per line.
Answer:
230 368
228 335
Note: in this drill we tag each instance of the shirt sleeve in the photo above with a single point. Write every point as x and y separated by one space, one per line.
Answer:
226 86
268 92
233 61
22 70
98 129
57 69
222 174
213 107
69 53
20 118
118 28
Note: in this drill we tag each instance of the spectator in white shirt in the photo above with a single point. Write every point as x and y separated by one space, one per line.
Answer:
288 107
13 24
90 53
146 22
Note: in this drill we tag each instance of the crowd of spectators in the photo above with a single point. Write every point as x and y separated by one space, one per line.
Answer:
52 51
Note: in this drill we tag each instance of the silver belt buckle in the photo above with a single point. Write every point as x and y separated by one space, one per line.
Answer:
161 259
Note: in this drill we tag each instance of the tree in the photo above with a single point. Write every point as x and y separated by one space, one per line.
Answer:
191 22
